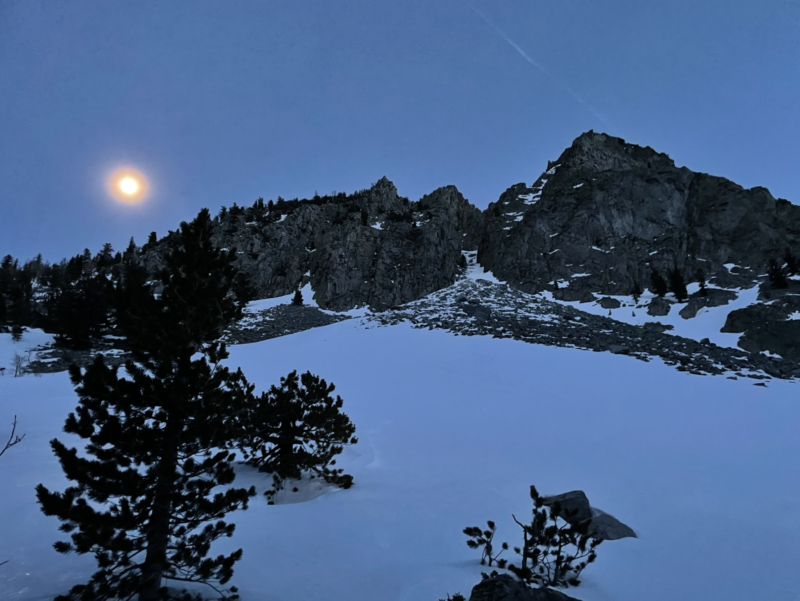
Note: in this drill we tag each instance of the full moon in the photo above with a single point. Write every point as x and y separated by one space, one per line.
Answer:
128 185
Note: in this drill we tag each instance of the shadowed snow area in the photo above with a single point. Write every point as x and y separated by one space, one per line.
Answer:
452 431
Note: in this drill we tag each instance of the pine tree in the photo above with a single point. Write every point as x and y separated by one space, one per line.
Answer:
152 241
792 265
243 289
106 256
677 285
130 252
297 299
157 435
636 292
776 275
658 285
296 428
700 276
553 553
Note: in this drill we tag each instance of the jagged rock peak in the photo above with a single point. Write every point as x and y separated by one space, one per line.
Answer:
602 152
384 184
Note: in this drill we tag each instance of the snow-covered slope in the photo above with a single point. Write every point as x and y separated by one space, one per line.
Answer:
452 431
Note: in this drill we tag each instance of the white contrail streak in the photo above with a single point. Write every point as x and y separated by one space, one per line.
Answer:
524 55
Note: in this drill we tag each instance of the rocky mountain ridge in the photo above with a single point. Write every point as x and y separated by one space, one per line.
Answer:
600 219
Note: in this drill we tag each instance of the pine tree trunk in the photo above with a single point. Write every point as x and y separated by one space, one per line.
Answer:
158 531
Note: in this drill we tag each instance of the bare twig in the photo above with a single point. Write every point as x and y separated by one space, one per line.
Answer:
12 440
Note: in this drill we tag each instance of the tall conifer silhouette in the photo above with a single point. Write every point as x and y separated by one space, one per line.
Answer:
141 498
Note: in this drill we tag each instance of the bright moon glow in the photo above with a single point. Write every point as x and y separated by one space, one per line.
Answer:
128 185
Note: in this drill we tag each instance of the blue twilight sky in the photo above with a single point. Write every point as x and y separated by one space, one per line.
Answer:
226 101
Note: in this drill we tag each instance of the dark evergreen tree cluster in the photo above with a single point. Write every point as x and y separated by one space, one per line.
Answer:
77 313
157 435
17 308
160 438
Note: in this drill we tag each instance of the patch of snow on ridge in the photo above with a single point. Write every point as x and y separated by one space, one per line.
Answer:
577 186
474 270
730 266
530 198
267 303
377 226
706 324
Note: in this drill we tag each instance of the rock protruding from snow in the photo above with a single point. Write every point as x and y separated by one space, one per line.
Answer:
607 527
767 328
602 525
531 318
503 587
574 501
659 306
609 303
715 297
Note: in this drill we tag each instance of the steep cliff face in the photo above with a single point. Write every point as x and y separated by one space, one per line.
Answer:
606 213
371 248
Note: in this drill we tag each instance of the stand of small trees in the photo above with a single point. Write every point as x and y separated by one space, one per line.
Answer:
677 285
157 436
160 438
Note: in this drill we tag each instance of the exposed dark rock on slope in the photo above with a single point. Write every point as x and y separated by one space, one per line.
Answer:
599 220
371 248
613 211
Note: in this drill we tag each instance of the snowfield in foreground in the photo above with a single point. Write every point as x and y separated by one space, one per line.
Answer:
452 431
